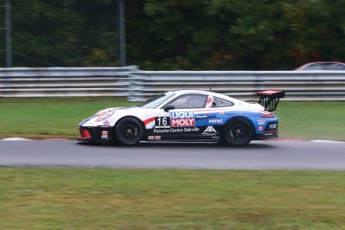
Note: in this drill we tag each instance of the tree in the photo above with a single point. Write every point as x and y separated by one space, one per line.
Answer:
179 34
64 33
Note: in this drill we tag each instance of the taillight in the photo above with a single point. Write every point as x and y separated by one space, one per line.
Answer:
268 115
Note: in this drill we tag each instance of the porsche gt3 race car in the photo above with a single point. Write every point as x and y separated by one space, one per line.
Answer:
186 115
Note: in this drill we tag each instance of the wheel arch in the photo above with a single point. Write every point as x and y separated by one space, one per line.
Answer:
129 116
251 121
229 138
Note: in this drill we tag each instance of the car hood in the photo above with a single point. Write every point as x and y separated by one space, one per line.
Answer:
106 116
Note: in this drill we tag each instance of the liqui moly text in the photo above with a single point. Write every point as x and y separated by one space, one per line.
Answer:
182 118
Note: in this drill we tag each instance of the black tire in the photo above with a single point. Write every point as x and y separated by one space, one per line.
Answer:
129 131
238 132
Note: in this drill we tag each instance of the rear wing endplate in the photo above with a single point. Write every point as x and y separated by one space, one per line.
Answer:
270 98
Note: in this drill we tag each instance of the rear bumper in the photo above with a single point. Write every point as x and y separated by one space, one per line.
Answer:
267 135
270 131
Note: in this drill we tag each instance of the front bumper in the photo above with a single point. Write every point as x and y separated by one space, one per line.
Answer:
96 134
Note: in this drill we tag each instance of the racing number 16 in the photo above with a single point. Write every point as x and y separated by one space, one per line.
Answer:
162 121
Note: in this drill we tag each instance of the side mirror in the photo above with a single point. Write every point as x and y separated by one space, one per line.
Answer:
169 107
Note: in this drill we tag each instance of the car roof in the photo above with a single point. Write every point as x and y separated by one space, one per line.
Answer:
195 91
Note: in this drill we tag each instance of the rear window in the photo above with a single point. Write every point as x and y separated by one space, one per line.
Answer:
219 102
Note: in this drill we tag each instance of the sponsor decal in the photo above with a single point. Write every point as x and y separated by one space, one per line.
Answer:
106 122
157 138
150 138
261 128
261 122
104 134
215 121
268 134
272 126
182 119
194 129
105 115
209 130
178 130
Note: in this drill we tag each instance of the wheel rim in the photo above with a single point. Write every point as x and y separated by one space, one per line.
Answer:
238 132
129 131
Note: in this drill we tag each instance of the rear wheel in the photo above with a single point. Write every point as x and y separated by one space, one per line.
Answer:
129 131
238 132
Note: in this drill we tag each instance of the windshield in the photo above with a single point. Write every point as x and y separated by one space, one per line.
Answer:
156 101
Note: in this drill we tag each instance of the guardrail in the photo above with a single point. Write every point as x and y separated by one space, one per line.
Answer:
139 85
299 85
64 82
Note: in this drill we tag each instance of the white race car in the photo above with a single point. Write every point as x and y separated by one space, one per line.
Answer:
186 115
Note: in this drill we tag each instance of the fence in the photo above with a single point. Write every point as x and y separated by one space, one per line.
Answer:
138 85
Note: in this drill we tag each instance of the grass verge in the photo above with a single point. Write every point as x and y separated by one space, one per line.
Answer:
58 198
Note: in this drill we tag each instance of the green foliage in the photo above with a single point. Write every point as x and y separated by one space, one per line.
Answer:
243 35
63 33
178 34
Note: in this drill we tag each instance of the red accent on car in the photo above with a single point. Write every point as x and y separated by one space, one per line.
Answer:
148 120
84 134
269 92
268 115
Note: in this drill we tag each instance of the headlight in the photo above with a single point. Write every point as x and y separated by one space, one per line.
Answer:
105 114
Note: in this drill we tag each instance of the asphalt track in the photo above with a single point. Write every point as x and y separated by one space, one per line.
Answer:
257 155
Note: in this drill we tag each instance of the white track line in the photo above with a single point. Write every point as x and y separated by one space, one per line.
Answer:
16 139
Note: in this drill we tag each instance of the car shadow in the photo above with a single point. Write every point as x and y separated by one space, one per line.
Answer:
185 145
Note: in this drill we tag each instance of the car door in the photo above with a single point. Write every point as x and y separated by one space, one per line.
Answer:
178 122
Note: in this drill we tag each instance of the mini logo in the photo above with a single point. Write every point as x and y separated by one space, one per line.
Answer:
261 122
273 126
210 129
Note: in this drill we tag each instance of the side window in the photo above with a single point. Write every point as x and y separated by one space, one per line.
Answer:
219 102
189 101
314 67
335 67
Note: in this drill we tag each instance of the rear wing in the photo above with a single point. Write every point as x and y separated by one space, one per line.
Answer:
270 98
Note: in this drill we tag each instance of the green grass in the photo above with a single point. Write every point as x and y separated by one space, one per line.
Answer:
312 120
58 198
49 117
59 117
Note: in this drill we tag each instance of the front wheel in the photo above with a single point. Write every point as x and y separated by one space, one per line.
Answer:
238 132
129 131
